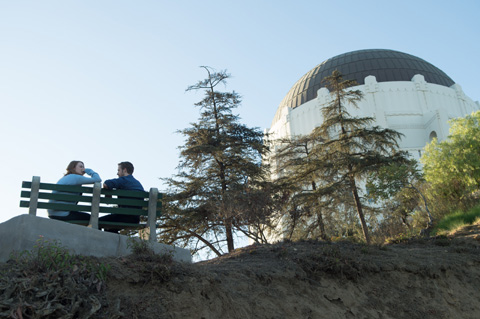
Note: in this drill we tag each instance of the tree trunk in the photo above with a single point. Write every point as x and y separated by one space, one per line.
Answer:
229 234
203 240
430 217
359 209
323 235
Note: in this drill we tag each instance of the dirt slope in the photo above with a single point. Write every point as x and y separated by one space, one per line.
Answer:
434 278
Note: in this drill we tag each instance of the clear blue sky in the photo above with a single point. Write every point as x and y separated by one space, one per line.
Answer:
104 81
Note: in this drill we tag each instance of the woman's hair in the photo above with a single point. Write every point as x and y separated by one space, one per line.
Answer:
71 167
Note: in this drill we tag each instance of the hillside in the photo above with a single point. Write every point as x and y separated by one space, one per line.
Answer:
421 278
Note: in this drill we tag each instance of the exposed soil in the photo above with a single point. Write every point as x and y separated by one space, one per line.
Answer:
427 278
420 278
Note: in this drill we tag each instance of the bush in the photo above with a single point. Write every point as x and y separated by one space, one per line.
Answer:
457 219
139 247
49 282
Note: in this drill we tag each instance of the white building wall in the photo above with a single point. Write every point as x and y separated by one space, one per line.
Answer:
415 109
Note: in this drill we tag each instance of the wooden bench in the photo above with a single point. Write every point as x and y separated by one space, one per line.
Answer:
94 200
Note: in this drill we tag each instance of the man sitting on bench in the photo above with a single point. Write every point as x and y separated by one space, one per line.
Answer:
125 181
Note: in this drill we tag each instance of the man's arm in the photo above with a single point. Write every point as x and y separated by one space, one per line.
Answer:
106 187
113 183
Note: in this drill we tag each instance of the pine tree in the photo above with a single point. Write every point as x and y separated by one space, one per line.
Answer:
296 170
335 157
351 147
220 173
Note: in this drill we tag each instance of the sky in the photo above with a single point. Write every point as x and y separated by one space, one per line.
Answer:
104 81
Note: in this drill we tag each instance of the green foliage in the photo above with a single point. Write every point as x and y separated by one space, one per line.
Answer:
389 180
310 212
49 282
139 246
399 238
452 166
51 256
47 255
325 167
457 219
220 180
398 187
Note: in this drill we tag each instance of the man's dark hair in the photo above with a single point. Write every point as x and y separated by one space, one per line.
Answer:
128 166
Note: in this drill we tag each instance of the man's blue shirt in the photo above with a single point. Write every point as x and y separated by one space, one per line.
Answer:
125 182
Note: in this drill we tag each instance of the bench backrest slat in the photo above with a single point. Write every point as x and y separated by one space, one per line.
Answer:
59 206
127 193
125 211
87 208
57 187
72 197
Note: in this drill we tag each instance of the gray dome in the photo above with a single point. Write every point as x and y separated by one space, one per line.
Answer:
385 65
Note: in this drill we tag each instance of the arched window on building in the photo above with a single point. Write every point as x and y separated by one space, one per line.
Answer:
433 135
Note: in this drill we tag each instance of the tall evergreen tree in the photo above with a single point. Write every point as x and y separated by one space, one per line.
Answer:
352 147
220 173
339 154
296 169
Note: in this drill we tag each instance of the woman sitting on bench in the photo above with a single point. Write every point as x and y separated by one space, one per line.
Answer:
74 176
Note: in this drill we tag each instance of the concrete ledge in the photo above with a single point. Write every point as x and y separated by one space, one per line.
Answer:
21 233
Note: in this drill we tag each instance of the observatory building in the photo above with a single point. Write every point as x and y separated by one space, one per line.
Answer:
401 92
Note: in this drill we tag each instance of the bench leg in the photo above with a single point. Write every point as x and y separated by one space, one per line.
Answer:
32 210
97 189
152 214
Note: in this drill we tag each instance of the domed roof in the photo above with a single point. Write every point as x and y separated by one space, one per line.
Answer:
385 65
